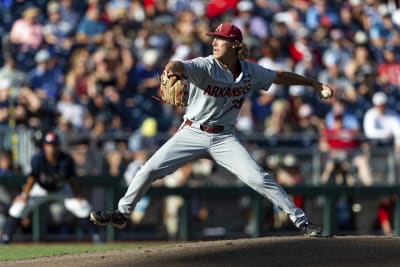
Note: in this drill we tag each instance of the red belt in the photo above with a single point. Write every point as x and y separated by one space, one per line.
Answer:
206 128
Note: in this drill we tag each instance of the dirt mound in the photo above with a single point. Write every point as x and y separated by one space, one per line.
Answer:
365 251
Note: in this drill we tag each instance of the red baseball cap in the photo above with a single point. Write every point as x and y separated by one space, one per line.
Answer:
229 31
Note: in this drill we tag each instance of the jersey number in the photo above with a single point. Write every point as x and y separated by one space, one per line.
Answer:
237 103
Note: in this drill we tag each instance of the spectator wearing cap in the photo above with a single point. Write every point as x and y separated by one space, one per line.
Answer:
46 78
26 32
58 32
381 123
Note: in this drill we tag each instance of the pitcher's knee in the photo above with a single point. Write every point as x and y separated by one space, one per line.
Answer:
263 182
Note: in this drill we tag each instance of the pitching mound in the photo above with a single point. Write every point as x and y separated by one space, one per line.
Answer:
365 251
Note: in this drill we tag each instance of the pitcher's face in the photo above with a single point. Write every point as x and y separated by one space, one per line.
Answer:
222 47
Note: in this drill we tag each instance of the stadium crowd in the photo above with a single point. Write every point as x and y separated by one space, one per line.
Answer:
89 70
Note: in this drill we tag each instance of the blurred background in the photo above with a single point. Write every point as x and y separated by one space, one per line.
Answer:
88 70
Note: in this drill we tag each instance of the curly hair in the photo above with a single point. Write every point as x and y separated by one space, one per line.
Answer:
242 52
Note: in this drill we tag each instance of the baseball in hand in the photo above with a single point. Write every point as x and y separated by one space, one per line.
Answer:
326 93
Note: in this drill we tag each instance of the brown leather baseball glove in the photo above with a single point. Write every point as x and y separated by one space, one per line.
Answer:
174 90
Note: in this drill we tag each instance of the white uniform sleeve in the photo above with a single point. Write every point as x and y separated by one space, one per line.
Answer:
196 70
262 78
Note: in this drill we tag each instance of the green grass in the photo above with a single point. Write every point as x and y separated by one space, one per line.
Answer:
31 251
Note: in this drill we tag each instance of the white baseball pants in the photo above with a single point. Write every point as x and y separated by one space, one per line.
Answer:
191 143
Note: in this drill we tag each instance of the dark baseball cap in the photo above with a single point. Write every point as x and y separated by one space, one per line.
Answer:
51 138
229 31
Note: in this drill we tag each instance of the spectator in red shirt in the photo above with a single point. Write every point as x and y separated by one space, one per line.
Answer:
389 70
343 147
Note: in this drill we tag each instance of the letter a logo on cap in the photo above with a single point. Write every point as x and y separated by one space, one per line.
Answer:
229 31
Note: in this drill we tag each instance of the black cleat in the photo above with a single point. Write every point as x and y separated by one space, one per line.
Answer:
311 230
109 217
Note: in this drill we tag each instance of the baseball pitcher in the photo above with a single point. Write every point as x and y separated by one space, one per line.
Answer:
213 89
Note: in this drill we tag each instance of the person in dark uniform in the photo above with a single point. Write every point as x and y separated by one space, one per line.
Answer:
51 179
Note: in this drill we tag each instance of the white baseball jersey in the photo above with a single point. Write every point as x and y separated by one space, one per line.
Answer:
215 97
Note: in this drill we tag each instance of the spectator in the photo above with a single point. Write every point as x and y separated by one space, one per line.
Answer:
69 13
10 72
381 123
91 28
308 123
46 78
70 110
117 9
26 32
78 74
32 112
333 73
389 70
343 146
321 13
117 56
362 58
348 21
340 107
107 71
58 33
116 38
52 177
